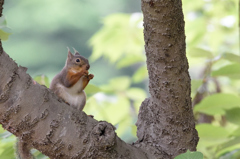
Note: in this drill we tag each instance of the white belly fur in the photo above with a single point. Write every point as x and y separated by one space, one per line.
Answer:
75 95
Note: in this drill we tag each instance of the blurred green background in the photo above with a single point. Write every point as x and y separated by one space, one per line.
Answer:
109 33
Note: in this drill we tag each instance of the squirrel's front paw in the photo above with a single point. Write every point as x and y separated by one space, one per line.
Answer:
90 76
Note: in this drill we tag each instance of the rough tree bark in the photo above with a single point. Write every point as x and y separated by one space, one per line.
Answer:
165 125
166 118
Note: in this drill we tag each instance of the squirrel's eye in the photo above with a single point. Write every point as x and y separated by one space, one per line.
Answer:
77 60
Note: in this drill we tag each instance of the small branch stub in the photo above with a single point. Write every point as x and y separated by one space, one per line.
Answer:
104 136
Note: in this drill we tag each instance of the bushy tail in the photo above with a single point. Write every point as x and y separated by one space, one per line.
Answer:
23 150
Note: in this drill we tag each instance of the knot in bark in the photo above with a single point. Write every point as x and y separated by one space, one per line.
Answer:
103 135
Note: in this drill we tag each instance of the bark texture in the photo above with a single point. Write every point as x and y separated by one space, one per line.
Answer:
36 115
165 123
1 7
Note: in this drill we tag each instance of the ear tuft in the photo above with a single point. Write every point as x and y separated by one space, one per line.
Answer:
75 51
70 55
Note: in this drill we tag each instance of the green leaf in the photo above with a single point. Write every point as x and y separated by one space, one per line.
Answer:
120 83
140 75
117 84
212 135
190 155
233 115
6 147
193 36
217 103
4 35
92 89
8 151
130 60
134 130
136 94
43 80
198 52
229 144
232 71
236 132
120 36
4 30
124 127
195 84
118 110
231 57
1 129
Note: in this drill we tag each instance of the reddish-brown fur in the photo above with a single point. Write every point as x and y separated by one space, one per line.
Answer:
87 79
74 74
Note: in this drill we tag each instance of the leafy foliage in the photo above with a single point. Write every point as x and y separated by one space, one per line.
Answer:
190 155
231 70
42 80
4 30
6 144
121 36
216 104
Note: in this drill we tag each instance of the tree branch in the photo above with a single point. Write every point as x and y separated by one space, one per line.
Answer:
36 115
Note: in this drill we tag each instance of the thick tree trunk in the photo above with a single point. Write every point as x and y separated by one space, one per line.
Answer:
165 125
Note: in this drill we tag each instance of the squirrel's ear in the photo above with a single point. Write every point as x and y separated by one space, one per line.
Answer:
75 51
70 55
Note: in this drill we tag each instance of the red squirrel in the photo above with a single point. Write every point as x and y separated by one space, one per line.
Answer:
69 84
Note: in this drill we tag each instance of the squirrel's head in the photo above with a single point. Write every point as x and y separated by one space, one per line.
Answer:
76 61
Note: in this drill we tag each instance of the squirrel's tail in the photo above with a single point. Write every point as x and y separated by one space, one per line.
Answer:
23 150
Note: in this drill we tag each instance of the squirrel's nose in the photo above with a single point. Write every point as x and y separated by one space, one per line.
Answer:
87 67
